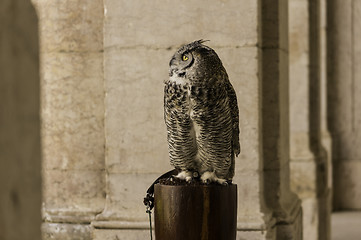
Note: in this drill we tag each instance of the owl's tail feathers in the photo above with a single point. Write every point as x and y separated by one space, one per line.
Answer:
236 148
230 173
237 151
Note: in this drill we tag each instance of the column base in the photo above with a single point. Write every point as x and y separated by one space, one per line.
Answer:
110 230
66 231
292 229
135 234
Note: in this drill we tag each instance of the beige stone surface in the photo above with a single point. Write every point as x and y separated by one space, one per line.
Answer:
275 120
325 210
71 26
72 113
135 130
20 157
136 234
305 123
136 56
103 134
304 179
324 85
357 77
345 82
103 129
171 23
299 67
346 225
66 231
73 192
110 234
72 94
139 234
326 140
348 184
325 199
292 230
310 224
125 193
340 67
249 235
357 60
134 117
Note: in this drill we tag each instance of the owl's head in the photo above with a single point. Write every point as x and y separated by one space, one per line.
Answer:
194 61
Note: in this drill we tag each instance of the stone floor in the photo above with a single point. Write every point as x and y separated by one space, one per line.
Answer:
346 225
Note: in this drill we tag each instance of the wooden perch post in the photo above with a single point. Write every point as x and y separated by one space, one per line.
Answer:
195 212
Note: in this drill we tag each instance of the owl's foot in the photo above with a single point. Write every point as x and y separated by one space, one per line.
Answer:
208 177
185 175
171 178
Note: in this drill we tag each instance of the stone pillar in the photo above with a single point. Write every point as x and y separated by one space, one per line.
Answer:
137 51
20 157
72 116
325 140
309 159
275 119
303 162
344 49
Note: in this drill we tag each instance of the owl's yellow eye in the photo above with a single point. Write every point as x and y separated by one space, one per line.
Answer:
185 58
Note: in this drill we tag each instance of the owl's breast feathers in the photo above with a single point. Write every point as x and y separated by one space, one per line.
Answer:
181 139
201 122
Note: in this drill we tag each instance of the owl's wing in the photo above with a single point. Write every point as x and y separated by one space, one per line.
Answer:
235 118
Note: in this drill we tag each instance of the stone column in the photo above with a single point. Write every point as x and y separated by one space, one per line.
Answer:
137 51
325 133
20 156
275 119
324 137
72 116
309 159
303 162
344 50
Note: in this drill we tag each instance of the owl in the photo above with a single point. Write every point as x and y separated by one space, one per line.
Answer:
201 115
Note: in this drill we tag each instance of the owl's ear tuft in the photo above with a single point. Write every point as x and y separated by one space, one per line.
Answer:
203 41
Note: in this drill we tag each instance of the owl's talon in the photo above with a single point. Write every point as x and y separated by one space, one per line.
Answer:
188 179
225 183
206 181
185 175
208 177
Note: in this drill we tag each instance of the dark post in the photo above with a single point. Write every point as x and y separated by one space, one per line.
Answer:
195 212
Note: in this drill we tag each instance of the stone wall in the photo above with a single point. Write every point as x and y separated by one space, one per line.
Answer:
103 134
137 51
104 138
20 158
344 47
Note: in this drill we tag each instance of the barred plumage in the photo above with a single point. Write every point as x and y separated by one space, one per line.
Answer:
201 115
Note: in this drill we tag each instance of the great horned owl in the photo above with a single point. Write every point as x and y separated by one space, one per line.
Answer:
201 114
